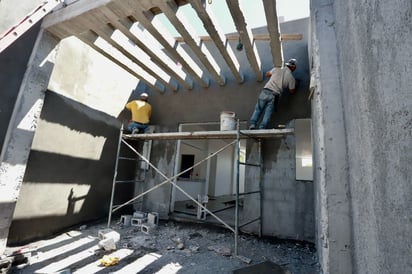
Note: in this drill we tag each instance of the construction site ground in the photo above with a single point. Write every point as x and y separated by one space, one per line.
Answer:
170 247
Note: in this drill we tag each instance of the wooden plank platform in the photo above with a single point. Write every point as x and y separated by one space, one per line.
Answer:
229 134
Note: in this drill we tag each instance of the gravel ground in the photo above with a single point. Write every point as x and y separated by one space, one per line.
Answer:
170 247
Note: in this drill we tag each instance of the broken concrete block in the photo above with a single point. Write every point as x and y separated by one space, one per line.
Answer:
107 244
108 239
108 233
224 251
194 249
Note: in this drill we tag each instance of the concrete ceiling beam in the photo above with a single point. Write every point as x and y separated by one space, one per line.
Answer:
245 38
129 8
72 11
90 38
256 37
274 33
218 38
94 21
157 56
169 9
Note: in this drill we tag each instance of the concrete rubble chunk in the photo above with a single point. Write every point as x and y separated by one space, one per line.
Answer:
108 239
224 251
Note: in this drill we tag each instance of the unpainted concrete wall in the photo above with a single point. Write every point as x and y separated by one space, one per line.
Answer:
14 59
288 204
377 100
13 62
372 53
72 158
88 93
68 176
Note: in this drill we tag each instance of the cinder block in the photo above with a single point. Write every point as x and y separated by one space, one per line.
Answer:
126 220
201 212
139 214
153 218
147 228
138 221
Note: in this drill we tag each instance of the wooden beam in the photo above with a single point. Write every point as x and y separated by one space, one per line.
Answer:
229 134
72 11
256 37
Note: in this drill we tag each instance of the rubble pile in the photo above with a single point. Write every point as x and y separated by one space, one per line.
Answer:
186 247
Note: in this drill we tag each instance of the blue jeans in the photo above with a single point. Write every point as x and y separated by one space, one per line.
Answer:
135 125
265 105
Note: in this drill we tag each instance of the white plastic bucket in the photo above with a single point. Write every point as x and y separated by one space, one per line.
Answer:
227 120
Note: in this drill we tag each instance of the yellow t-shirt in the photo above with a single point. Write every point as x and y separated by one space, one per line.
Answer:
141 111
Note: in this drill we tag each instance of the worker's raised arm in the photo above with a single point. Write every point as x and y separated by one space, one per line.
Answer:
292 86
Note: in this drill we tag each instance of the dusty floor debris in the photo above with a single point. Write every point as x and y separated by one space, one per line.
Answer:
170 248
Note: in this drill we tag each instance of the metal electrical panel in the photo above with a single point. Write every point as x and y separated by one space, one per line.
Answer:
304 155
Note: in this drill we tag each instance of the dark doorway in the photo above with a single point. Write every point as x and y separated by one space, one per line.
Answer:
187 161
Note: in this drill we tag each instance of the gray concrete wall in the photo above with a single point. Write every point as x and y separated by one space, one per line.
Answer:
13 65
77 127
288 204
22 127
369 49
69 172
376 80
71 164
333 223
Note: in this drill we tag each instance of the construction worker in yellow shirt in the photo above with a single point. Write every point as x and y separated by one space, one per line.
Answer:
141 111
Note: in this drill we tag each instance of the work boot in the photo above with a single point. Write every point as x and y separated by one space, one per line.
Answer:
252 126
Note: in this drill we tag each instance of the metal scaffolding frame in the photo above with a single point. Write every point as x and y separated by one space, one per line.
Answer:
231 134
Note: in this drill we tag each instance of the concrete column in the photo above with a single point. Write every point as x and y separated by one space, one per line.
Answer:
333 218
20 133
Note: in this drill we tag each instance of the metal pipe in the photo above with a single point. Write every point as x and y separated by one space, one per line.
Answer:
169 180
250 192
114 178
252 221
237 187
260 187
228 134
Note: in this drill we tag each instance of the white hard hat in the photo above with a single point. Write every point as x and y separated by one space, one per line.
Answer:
291 62
144 94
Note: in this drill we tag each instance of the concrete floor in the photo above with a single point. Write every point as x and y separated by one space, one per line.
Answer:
171 247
